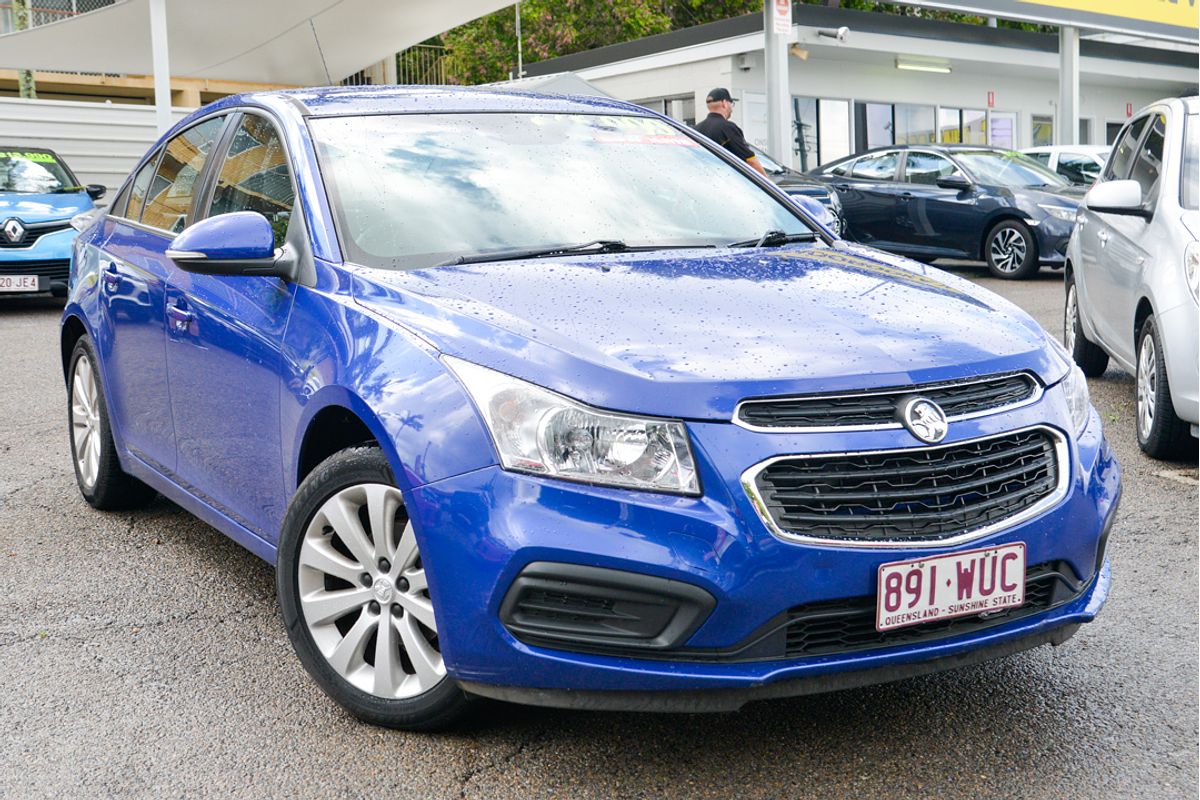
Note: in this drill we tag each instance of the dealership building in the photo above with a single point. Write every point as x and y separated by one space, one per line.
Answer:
888 79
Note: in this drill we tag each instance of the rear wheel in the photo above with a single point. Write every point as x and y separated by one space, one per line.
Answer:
98 471
1160 433
1090 358
355 597
1010 250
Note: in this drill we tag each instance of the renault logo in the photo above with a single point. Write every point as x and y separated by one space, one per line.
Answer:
14 231
923 418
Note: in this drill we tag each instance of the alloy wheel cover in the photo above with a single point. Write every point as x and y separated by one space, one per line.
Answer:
1147 386
85 422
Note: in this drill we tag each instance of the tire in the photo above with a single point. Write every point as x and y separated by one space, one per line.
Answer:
1160 432
102 482
334 590
1010 250
1090 358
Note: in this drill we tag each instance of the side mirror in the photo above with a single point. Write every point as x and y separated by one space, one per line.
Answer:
96 190
1117 197
956 182
240 243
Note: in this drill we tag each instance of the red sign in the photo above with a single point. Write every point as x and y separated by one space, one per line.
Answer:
991 99
1129 109
782 17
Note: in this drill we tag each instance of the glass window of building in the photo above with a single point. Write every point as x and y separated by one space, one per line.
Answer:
806 121
1041 130
834 129
914 124
873 126
974 126
1003 131
1111 129
1085 131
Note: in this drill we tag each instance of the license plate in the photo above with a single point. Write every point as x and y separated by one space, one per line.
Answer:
958 585
18 283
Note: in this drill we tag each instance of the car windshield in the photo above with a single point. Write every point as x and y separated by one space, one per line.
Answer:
1189 192
768 163
411 191
1006 168
32 172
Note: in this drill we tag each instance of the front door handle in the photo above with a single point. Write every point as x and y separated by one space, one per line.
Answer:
112 278
181 319
1102 235
842 187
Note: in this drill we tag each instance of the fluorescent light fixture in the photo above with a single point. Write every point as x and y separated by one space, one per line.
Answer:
922 66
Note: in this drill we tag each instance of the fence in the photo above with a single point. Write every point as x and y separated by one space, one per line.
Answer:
100 141
426 64
43 12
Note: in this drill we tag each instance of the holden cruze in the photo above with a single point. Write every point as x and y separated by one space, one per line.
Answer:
551 400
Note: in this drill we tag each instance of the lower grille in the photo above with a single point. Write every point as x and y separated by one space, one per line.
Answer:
56 270
914 495
842 626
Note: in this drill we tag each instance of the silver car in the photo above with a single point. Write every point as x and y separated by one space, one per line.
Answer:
1132 268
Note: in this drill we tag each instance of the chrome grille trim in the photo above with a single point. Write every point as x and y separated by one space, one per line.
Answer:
1062 464
1036 392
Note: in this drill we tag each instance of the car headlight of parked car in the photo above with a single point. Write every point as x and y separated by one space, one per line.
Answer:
1075 389
85 218
1065 213
1191 268
541 432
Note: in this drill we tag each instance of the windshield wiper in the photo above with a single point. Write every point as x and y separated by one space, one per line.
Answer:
596 246
67 189
775 239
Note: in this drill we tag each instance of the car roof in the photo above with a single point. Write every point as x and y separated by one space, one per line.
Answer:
335 101
1086 148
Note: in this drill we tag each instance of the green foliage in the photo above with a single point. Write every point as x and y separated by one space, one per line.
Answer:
485 49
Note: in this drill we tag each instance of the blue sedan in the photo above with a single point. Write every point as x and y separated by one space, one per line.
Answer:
517 412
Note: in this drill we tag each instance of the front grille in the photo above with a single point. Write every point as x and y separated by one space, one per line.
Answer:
56 270
874 408
33 233
925 494
841 626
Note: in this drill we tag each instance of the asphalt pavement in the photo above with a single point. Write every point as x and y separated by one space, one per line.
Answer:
142 654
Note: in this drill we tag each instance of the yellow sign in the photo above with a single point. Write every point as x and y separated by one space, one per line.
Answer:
1182 13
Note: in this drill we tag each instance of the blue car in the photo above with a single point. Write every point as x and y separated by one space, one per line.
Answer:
42 206
516 412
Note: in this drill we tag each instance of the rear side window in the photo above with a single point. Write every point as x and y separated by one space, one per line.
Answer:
137 189
1124 151
174 183
881 167
255 176
1041 158
1147 167
841 169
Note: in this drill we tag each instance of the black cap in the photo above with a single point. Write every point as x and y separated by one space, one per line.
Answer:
717 95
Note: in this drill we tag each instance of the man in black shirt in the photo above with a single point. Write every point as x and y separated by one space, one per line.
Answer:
717 127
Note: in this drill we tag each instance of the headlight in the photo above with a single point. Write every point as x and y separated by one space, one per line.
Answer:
1191 268
1065 213
540 432
1075 388
835 202
83 219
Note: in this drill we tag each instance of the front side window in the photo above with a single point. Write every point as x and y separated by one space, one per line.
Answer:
881 167
34 172
1124 151
1147 168
412 191
174 184
138 188
255 176
927 168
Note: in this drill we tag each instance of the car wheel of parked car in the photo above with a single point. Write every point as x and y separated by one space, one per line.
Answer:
1160 432
98 471
355 598
1089 356
1010 250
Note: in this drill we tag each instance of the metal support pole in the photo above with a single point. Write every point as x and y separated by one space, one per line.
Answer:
520 60
26 87
162 65
1066 131
779 98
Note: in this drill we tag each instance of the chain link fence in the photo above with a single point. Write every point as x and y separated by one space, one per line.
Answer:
18 15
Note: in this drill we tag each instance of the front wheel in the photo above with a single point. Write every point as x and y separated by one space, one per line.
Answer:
355 597
1160 433
1010 250
1088 355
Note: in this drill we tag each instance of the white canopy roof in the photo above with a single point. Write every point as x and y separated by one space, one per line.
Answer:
297 42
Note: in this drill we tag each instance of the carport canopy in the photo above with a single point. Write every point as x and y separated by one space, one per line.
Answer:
296 42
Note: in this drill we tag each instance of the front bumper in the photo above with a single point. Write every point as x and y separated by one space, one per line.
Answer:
483 529
48 258
1177 327
1053 235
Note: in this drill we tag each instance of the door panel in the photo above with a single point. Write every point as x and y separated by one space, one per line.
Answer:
933 220
870 199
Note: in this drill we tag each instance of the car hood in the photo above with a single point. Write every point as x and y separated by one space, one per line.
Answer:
690 333
42 207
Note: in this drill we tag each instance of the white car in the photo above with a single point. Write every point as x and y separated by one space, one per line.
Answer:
1079 163
1132 270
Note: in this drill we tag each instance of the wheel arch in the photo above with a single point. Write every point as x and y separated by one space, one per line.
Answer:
335 420
1144 309
72 331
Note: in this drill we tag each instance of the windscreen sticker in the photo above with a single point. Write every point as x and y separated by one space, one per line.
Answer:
39 158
